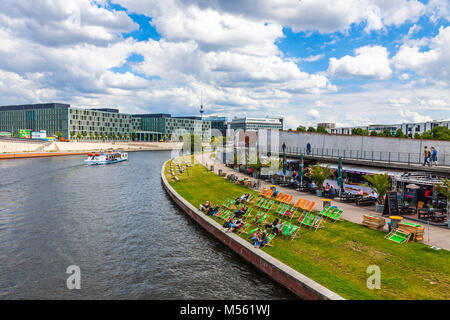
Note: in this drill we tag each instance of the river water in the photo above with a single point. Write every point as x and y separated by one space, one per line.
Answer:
117 224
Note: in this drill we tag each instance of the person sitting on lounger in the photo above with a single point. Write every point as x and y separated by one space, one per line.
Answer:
257 238
240 212
234 225
206 206
272 225
213 210
275 193
277 229
262 239
241 199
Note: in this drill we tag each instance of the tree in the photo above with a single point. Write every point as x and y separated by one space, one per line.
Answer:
311 129
113 136
72 134
386 133
399 134
103 136
373 133
360 132
84 134
145 137
58 135
78 135
96 135
381 183
427 135
119 135
441 133
301 129
321 129
133 136
444 189
125 136
91 136
319 174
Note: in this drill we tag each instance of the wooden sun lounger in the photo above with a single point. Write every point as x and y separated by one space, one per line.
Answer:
267 205
398 236
287 199
269 242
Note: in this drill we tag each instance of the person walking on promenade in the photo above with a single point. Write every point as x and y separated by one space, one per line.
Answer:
308 148
426 156
433 156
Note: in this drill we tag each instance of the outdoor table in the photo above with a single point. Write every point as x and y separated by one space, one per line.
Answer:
326 203
406 209
439 218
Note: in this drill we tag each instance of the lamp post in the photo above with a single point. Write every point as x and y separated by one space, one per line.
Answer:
284 159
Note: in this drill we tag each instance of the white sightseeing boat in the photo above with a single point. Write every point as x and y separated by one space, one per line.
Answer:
106 157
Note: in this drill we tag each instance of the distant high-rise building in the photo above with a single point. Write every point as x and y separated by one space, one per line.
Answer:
327 125
219 123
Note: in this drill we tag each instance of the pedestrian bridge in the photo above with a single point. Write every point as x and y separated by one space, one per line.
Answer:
388 160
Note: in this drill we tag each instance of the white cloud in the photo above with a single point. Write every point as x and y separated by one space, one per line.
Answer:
433 64
69 22
307 15
438 9
370 62
313 58
413 116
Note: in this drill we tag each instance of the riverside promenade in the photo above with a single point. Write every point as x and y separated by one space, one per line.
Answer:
434 236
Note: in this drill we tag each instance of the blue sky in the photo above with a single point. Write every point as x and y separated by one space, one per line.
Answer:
352 63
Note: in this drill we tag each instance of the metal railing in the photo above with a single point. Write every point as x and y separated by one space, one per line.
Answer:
415 158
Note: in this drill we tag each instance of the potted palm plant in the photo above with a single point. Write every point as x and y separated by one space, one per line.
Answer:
444 189
319 174
381 183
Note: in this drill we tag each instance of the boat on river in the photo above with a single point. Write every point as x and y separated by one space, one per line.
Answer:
106 157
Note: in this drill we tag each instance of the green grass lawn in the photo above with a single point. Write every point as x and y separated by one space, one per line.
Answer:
337 256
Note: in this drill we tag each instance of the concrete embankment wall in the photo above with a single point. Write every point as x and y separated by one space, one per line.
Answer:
294 281
25 146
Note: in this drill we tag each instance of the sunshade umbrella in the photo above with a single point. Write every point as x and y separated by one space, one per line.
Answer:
340 181
284 159
301 170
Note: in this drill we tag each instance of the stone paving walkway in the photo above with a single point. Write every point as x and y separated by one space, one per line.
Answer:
434 236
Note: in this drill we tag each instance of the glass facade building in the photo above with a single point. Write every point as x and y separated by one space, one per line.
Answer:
99 123
52 117
175 127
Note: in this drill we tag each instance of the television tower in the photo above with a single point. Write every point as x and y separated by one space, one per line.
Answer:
201 107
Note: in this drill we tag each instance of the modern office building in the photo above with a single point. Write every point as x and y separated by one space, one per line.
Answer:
410 129
327 125
53 117
75 123
218 123
254 124
175 127
407 128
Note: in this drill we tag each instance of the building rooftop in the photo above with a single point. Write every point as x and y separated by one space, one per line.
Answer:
34 106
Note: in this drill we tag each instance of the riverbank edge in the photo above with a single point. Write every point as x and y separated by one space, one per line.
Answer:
294 281
12 156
